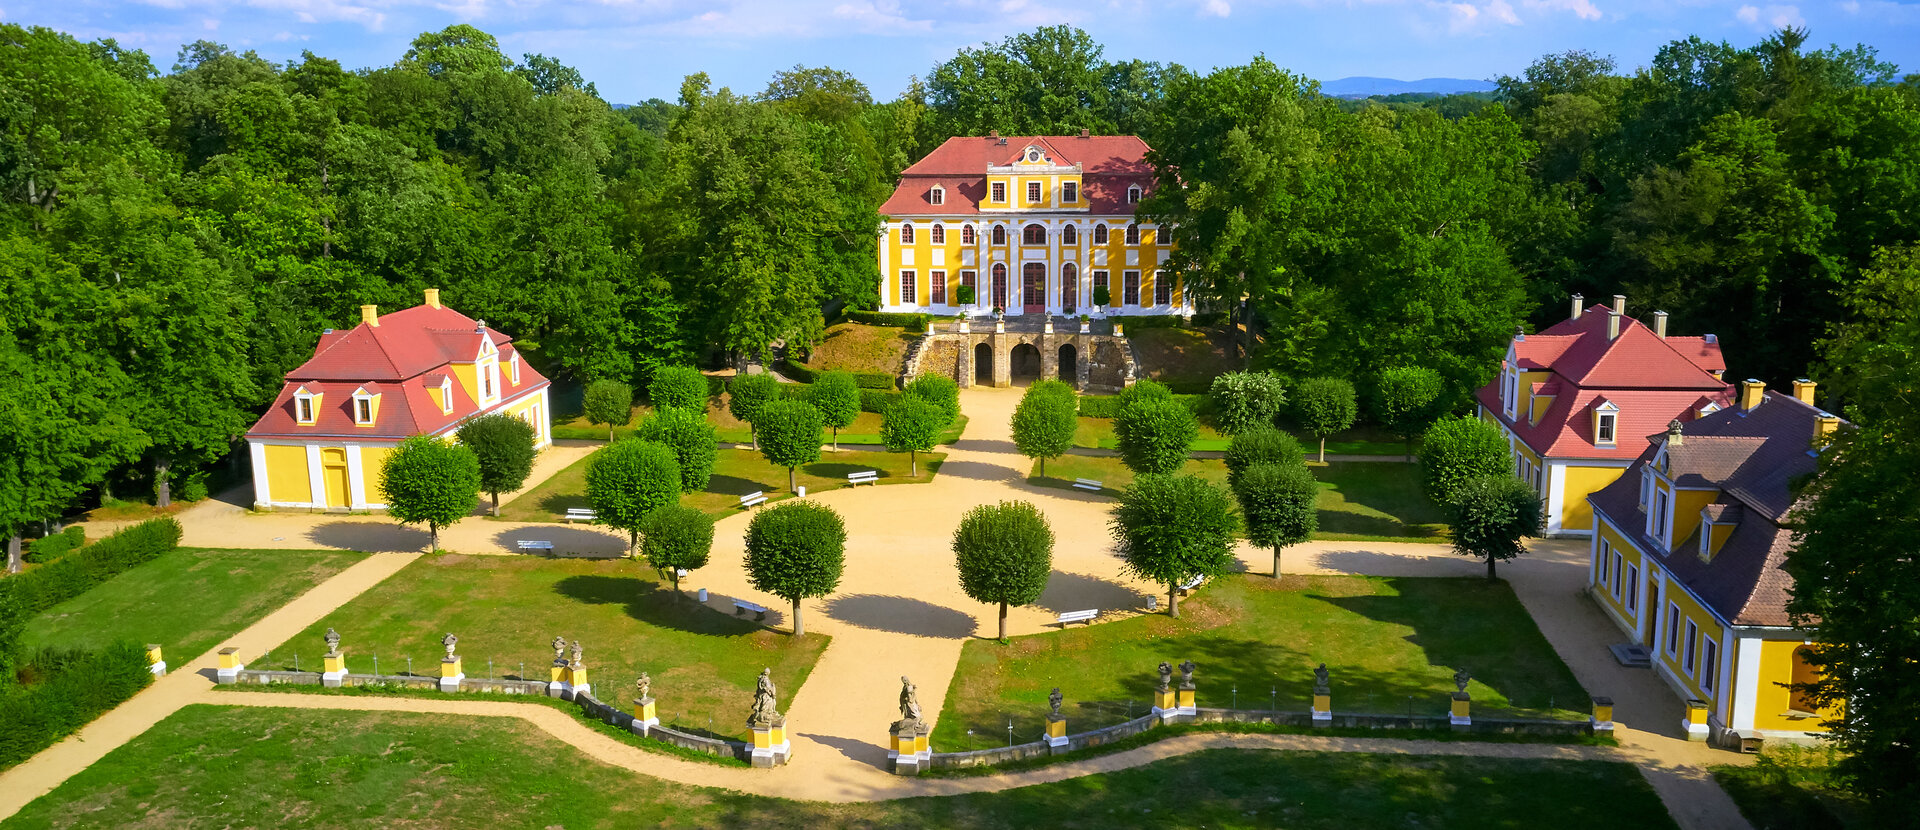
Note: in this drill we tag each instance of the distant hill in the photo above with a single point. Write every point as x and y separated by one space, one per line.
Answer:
1361 87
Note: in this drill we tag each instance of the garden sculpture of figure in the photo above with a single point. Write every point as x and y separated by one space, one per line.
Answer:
1460 679
1186 674
1166 675
644 687
764 702
576 654
909 701
1054 701
1320 679
559 651
448 641
333 643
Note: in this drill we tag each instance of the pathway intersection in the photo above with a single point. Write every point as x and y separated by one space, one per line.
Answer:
899 611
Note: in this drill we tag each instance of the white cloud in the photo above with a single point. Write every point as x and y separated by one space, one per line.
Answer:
1215 8
1583 9
879 17
1770 17
1502 11
1465 18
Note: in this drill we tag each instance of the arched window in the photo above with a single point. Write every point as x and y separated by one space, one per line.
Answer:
906 234
1034 235
1133 194
1100 234
1069 287
999 234
939 234
1069 236
1133 234
966 234
999 282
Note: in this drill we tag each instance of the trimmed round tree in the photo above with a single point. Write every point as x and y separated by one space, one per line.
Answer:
691 437
1043 426
1458 450
1261 446
430 481
1170 529
796 550
912 425
789 435
746 394
1005 554
1144 390
678 387
1246 400
608 402
1324 406
1278 504
503 444
1054 387
1408 395
940 391
676 537
1155 435
837 396
1490 515
628 480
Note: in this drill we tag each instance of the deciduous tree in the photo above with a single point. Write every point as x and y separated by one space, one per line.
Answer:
1324 406
1005 554
1155 435
746 394
789 435
1246 400
1491 516
692 439
1406 398
430 481
1278 503
1043 426
1261 446
912 425
679 387
1458 450
676 537
1170 529
609 402
503 444
795 551
837 396
629 480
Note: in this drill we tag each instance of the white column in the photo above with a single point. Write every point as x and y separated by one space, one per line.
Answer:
886 263
316 481
262 496
356 483
1556 492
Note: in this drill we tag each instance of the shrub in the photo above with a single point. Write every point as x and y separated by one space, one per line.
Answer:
963 295
1101 295
1278 503
1109 406
1142 322
1405 401
49 548
1208 320
692 440
797 370
608 402
627 481
1170 529
503 444
74 688
837 397
1458 450
1246 400
915 322
796 550
430 481
678 387
1057 388
1005 554
789 435
674 537
876 401
24 595
1043 425
1490 516
940 391
1261 446
1155 436
746 394
913 426
1324 406
1143 390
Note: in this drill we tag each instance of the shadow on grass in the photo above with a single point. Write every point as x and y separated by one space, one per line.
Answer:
737 486
979 471
840 470
901 615
1078 592
569 542
559 503
655 604
369 537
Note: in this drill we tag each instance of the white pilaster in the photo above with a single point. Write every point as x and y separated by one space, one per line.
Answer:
316 480
1746 682
1556 495
356 483
262 495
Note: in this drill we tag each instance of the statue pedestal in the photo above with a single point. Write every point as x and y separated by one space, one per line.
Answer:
155 663
558 686
770 745
1696 721
1461 716
907 749
1166 703
230 666
1322 707
1602 719
1186 707
451 673
577 678
644 716
336 670
1057 733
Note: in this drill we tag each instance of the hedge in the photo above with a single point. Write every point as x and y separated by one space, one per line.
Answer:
877 400
1151 321
865 380
1108 406
72 688
72 575
49 548
916 322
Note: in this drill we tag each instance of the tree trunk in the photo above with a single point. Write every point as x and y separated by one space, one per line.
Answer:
106 488
792 486
633 543
162 487
799 625
1246 348
13 554
1323 449
1490 576
1003 621
913 463
433 537
1173 600
609 432
675 573
1276 561
836 439
753 433
1043 466
496 502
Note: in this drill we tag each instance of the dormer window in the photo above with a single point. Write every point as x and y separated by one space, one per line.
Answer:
906 234
514 368
363 407
1070 192
1133 194
488 374
1709 409
1606 419
305 405
1033 155
938 195
966 234
446 396
1100 234
1706 540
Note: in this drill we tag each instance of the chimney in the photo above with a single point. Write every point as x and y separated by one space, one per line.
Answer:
1660 324
1613 326
1823 427
1673 433
1620 304
370 315
1803 390
993 133
1083 132
433 297
1752 392
1577 300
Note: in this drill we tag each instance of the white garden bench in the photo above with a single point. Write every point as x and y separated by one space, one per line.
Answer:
535 544
863 477
1078 617
581 514
1191 584
1088 484
753 499
741 606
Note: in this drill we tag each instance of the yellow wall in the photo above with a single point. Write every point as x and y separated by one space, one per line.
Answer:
465 375
1629 555
287 479
1579 483
1773 700
1686 512
1709 627
372 462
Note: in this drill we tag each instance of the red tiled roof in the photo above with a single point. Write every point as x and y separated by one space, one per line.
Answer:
1637 359
1109 165
406 343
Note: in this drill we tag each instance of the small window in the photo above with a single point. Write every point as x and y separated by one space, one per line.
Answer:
1033 154
1033 192
1069 236
1646 487
1673 628
966 234
999 191
906 234
303 409
906 287
487 377
939 290
1162 289
1034 235
1600 562
937 234
1693 641
1709 665
1070 192
999 234
1604 433
1706 540
1133 234
1100 234
1660 529
1617 581
514 367
938 195
1633 588
1130 288
363 411
1133 195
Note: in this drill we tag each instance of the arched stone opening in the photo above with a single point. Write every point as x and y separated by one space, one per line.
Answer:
1070 365
1024 363
983 364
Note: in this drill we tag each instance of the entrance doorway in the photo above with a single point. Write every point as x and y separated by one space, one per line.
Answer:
333 472
1024 363
1034 297
983 365
1070 365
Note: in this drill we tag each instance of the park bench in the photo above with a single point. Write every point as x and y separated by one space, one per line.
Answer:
1191 584
1088 484
753 499
741 606
535 544
1078 617
581 514
863 477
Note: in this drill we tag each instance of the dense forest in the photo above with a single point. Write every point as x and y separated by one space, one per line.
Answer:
172 242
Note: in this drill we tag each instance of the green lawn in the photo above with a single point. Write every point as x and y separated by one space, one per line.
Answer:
1359 500
1793 788
187 600
857 347
1098 433
736 472
1385 640
242 767
507 609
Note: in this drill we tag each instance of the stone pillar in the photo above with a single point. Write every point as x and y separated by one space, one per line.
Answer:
1166 702
336 670
1696 722
451 673
1461 716
1049 356
1602 718
560 686
230 666
770 745
1322 697
156 663
645 718
577 677
1002 357
1057 733
963 374
907 748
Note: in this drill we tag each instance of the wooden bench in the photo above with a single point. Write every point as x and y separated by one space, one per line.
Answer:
753 499
1088 484
1191 584
581 514
535 544
741 606
1078 617
863 477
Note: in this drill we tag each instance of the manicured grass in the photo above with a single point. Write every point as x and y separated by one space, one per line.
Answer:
187 600
1359 500
1390 644
576 428
1793 788
244 767
856 347
1098 433
736 472
507 609
1183 358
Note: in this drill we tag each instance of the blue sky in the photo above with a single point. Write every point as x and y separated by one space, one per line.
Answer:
636 49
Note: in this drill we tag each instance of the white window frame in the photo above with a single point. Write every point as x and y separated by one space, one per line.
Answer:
1133 194
1070 192
1133 233
303 403
906 234
1673 628
363 401
1633 589
937 196
1600 562
1035 193
1706 539
968 236
937 233
909 281
514 367
1161 285
1658 523
1100 233
1646 487
1709 664
998 192
1690 648
1606 427
446 395
1618 561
